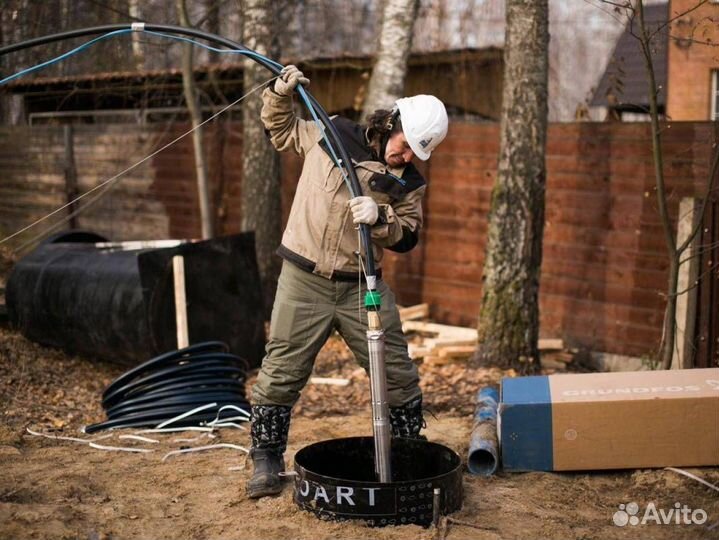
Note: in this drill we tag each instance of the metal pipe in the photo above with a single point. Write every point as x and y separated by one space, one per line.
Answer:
380 407
483 456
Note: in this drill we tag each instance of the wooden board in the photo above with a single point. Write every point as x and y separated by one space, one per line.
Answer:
329 381
413 313
456 351
444 330
550 344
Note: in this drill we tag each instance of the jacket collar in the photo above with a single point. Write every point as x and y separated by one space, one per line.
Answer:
355 142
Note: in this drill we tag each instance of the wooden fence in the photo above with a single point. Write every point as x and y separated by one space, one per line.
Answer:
604 263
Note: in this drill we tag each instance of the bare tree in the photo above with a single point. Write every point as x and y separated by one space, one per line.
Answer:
4 98
24 19
388 74
212 9
261 203
509 316
634 12
133 7
193 106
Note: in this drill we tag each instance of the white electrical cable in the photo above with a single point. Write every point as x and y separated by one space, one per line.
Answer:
203 448
230 424
139 438
693 477
359 276
185 415
63 438
121 448
701 481
195 439
247 415
228 419
235 408
89 442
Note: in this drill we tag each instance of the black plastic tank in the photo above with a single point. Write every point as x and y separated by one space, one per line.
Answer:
336 481
119 304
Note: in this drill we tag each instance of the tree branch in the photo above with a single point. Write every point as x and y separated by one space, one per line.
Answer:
704 201
216 6
610 13
623 5
696 283
701 250
679 16
113 10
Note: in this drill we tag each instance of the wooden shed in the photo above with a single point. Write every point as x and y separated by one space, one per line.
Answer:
469 81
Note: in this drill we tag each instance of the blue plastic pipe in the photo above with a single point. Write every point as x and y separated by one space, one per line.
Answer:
483 458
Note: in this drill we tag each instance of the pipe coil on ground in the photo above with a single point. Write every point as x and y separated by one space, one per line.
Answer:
174 383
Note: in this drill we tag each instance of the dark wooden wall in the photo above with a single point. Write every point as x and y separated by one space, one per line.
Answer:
604 267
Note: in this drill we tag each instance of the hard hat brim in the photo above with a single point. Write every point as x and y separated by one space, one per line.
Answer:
417 150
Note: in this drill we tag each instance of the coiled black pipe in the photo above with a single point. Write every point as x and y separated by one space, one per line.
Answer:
174 383
332 132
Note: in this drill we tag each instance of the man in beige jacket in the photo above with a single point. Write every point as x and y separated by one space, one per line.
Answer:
319 288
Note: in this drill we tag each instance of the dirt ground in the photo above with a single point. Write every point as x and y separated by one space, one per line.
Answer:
63 489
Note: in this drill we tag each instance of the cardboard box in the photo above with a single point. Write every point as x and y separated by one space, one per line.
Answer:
610 420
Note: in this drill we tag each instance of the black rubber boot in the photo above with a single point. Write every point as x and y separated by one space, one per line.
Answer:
266 480
407 421
270 425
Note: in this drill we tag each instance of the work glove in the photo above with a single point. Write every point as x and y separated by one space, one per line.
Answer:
364 210
289 78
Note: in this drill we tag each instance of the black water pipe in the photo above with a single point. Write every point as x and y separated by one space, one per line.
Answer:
119 304
173 383
334 136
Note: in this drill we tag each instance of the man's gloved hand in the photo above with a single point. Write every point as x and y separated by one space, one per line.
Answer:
364 210
289 78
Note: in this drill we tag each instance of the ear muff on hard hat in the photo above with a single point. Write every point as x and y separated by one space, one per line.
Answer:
389 126
424 123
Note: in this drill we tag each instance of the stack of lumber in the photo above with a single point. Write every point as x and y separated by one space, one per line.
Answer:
555 359
436 344
440 344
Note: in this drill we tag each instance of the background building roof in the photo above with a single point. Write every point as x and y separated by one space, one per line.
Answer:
624 84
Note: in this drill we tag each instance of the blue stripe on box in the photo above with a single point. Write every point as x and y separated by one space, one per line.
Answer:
526 424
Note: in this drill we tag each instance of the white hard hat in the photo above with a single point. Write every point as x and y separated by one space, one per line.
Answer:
424 122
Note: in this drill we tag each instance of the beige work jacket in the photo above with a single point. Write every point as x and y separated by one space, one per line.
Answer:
320 235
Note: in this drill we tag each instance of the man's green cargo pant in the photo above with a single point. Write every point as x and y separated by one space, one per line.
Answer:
307 309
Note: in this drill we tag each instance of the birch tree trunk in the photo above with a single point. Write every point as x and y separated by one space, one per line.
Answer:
193 106
509 316
212 10
138 57
4 98
261 203
388 74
